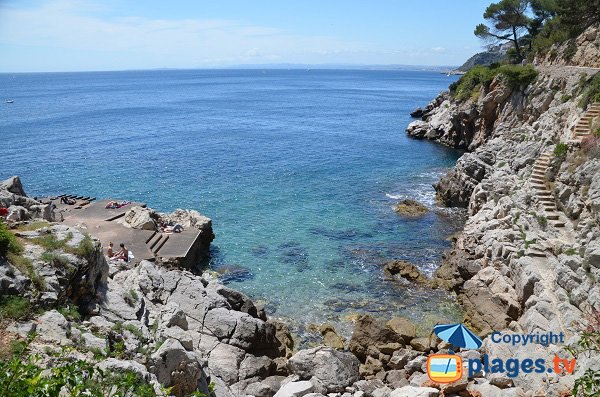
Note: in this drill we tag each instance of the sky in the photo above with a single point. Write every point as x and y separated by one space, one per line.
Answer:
80 35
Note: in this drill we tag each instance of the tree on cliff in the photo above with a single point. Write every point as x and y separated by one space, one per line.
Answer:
579 14
508 20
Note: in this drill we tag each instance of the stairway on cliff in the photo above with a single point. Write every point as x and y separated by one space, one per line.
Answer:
583 127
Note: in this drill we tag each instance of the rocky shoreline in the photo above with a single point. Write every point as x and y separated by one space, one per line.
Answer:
527 262
527 259
174 328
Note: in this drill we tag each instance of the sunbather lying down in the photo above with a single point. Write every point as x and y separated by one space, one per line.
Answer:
173 229
68 201
111 205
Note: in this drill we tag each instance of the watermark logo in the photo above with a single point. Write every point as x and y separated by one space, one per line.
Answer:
448 368
444 368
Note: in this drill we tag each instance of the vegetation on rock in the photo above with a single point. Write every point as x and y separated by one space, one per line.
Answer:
22 375
469 84
411 208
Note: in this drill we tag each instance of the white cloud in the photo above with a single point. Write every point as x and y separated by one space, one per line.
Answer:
73 26
438 50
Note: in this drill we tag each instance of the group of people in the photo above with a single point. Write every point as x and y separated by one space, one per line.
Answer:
122 254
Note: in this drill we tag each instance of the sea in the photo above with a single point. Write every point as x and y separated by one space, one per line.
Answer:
299 170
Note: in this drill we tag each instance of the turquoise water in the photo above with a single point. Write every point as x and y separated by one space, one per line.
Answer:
299 171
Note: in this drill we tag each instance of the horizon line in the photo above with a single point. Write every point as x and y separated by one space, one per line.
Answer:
277 66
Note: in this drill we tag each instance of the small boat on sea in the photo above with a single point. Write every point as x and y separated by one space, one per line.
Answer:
8 101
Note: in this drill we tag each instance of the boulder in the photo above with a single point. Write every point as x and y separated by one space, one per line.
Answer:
175 367
369 333
13 185
92 342
335 370
295 389
401 357
16 213
141 218
403 327
53 327
252 366
592 254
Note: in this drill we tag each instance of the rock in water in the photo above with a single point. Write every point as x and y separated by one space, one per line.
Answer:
418 112
410 207
402 270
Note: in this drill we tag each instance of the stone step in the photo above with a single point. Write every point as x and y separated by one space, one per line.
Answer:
537 179
551 216
160 245
150 238
558 224
541 173
546 201
156 241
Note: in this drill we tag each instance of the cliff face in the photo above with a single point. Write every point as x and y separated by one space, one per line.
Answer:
582 51
528 258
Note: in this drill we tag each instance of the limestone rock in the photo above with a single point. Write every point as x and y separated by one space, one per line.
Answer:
54 327
13 185
141 218
334 369
178 368
411 391
295 389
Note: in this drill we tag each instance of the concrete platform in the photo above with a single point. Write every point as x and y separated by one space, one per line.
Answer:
107 225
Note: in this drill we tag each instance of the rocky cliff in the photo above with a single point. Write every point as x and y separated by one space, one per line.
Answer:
527 259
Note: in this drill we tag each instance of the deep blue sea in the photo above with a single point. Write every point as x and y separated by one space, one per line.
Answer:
299 170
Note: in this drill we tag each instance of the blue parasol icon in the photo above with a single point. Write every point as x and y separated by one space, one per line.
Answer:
458 335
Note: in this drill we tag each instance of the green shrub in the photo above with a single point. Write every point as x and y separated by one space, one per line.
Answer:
570 51
570 251
22 376
50 242
14 307
561 150
70 312
8 241
131 297
518 75
591 93
55 259
85 248
470 83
